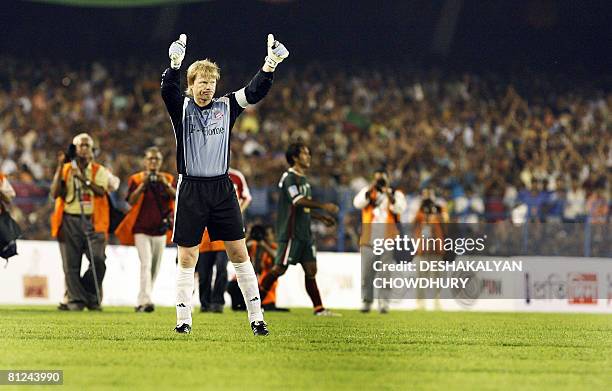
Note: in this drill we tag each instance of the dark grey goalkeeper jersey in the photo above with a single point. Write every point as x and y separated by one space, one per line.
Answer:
203 133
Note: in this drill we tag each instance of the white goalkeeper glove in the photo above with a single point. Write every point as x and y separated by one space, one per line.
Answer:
177 51
277 52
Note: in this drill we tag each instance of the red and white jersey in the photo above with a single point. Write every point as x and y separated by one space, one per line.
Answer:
240 184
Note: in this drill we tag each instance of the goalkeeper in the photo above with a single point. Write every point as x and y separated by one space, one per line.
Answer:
205 195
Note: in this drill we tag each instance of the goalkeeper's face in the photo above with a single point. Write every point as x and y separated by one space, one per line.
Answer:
204 87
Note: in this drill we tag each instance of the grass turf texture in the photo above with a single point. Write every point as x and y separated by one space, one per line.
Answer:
402 350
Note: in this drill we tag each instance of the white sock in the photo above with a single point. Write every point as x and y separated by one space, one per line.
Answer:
247 281
184 292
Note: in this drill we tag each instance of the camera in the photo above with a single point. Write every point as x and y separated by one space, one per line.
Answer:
380 184
70 153
428 206
258 233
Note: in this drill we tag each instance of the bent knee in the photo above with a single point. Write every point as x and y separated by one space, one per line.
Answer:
310 271
278 270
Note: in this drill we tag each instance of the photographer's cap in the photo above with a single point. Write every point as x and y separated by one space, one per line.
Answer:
80 136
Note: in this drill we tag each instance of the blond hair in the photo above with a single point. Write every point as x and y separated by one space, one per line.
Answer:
206 68
155 150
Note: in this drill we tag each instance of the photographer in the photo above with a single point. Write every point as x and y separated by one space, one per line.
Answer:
148 224
429 223
262 247
9 230
381 206
80 221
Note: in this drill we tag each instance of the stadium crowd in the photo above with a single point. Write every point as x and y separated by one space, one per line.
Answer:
491 147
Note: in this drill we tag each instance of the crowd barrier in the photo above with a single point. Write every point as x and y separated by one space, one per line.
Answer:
552 284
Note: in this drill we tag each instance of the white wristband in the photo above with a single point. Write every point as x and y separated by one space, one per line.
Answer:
271 63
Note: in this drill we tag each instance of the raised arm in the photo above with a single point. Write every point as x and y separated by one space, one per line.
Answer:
362 199
171 80
277 52
256 90
260 84
58 187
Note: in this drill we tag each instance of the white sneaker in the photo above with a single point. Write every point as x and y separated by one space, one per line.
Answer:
437 305
383 306
366 307
420 305
326 312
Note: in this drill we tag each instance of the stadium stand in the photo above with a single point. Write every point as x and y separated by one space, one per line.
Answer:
486 143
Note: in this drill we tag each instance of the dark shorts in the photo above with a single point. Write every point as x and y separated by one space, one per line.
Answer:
295 251
206 203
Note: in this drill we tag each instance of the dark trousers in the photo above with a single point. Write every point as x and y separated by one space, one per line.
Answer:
73 244
206 262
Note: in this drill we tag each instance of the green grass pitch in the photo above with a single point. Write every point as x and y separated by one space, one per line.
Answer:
118 348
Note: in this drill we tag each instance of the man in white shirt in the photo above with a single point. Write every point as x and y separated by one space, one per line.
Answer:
575 202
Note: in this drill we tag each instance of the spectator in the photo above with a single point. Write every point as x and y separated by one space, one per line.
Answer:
574 209
455 129
597 206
